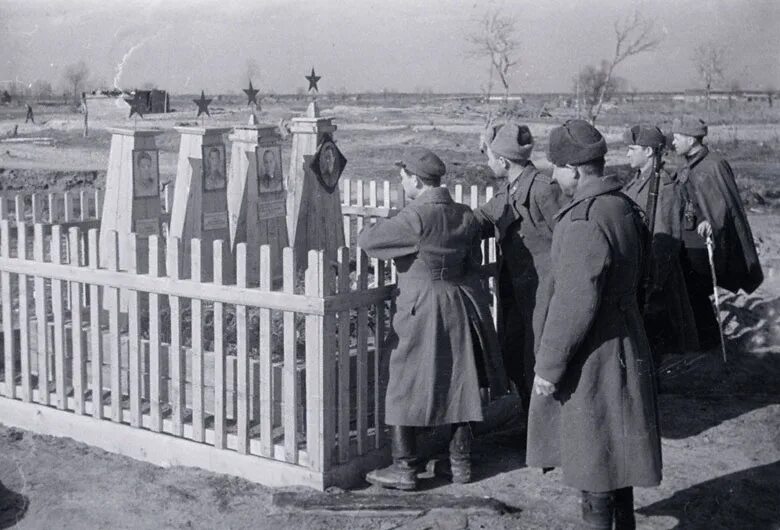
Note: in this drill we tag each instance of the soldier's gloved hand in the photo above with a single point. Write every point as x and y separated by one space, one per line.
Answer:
543 387
704 229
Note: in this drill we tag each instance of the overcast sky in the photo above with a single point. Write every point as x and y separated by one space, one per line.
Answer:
361 45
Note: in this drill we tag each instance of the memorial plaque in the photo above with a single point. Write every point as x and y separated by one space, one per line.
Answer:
147 227
272 209
215 220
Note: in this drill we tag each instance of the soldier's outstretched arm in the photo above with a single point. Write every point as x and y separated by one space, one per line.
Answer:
579 273
392 238
488 215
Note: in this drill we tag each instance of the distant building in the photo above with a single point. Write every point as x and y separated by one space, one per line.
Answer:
156 101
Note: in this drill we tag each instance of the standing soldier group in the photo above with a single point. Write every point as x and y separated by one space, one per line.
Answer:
596 281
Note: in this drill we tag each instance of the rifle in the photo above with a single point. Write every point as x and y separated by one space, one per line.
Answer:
652 196
650 211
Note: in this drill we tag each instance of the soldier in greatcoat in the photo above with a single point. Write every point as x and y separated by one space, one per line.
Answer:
521 216
444 345
712 207
668 316
593 410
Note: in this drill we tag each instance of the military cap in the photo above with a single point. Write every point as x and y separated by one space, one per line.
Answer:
513 142
575 142
422 162
645 136
689 127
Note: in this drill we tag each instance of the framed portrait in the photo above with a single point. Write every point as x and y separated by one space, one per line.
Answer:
214 167
146 173
328 163
269 169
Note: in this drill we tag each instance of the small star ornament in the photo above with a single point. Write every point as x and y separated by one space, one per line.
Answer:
137 105
251 94
312 79
203 104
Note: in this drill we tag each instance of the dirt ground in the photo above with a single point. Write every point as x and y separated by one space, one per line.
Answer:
720 421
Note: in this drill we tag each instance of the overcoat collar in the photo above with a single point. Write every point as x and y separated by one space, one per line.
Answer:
690 162
641 179
521 187
591 189
434 195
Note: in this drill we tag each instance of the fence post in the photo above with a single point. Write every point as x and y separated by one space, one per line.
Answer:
320 366
8 314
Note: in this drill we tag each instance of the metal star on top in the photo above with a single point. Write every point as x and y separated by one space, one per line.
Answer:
312 79
203 104
136 105
251 94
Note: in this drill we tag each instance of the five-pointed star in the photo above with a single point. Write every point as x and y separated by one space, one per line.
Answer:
251 94
136 105
203 104
312 79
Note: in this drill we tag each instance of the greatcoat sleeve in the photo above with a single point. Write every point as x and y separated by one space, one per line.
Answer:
579 271
489 213
392 238
547 202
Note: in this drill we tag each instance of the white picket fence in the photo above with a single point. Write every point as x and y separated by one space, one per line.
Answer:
279 383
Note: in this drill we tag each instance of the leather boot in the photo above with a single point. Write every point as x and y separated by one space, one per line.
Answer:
402 473
598 510
460 453
624 509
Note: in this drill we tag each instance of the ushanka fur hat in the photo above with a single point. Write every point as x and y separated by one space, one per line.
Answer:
575 142
513 142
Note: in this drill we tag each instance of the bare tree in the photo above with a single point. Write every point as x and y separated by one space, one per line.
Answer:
595 86
75 76
42 89
633 35
710 61
495 39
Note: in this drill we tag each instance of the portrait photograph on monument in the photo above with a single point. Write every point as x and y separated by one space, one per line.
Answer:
214 167
269 169
146 173
328 163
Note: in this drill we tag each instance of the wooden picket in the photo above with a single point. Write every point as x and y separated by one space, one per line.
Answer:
155 368
290 366
266 395
220 433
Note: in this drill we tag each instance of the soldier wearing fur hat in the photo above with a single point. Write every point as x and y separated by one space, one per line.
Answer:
667 311
444 346
593 411
521 216
712 207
